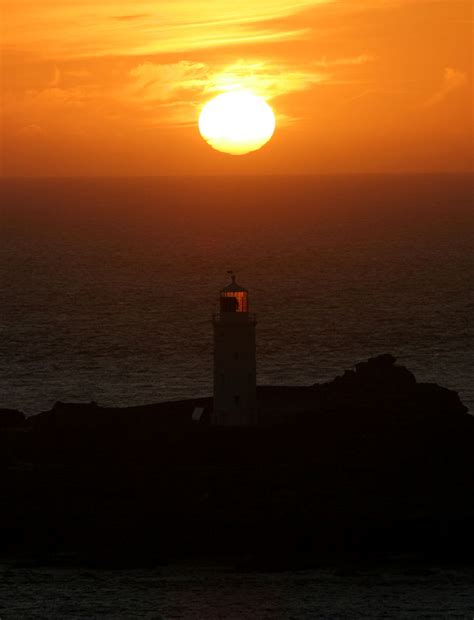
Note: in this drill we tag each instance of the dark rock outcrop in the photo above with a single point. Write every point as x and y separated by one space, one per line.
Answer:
380 390
11 418
375 393
372 462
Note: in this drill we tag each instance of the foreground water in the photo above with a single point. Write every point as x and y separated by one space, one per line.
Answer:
205 592
107 286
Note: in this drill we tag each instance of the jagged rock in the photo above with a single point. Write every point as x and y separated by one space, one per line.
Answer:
379 373
379 389
370 462
11 418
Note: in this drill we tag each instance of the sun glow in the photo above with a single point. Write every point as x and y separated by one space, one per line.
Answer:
237 122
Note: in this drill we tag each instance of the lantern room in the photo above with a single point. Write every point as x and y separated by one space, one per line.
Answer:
234 298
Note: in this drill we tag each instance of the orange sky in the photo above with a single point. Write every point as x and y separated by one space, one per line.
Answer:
94 87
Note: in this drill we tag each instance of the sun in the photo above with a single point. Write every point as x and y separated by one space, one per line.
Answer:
237 122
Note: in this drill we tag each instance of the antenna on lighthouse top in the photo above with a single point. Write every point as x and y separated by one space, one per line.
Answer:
232 275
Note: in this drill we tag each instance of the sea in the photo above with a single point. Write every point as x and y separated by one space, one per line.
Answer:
209 591
107 289
108 286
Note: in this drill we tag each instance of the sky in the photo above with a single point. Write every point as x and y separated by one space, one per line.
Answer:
115 87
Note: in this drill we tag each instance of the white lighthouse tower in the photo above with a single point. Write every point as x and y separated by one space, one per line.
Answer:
235 380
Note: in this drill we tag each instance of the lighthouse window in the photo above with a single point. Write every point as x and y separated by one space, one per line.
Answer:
234 301
236 356
237 400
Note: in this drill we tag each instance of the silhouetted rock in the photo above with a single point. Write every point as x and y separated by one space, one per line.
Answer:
11 418
379 390
378 375
134 421
372 462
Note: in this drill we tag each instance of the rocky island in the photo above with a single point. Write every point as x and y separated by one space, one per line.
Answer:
370 465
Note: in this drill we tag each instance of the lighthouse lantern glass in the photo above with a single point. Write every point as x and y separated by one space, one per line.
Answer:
234 301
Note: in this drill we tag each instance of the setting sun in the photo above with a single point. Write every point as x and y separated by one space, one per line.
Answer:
237 122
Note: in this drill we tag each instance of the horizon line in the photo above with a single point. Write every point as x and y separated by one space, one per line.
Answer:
238 175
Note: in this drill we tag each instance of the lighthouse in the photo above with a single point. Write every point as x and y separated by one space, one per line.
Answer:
235 379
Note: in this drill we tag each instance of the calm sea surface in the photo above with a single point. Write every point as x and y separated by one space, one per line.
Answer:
108 286
213 592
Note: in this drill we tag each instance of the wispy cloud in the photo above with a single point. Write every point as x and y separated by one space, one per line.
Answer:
165 82
131 17
344 62
182 87
452 80
87 28
162 94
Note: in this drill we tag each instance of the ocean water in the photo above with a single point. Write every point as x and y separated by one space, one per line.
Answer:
205 592
107 286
